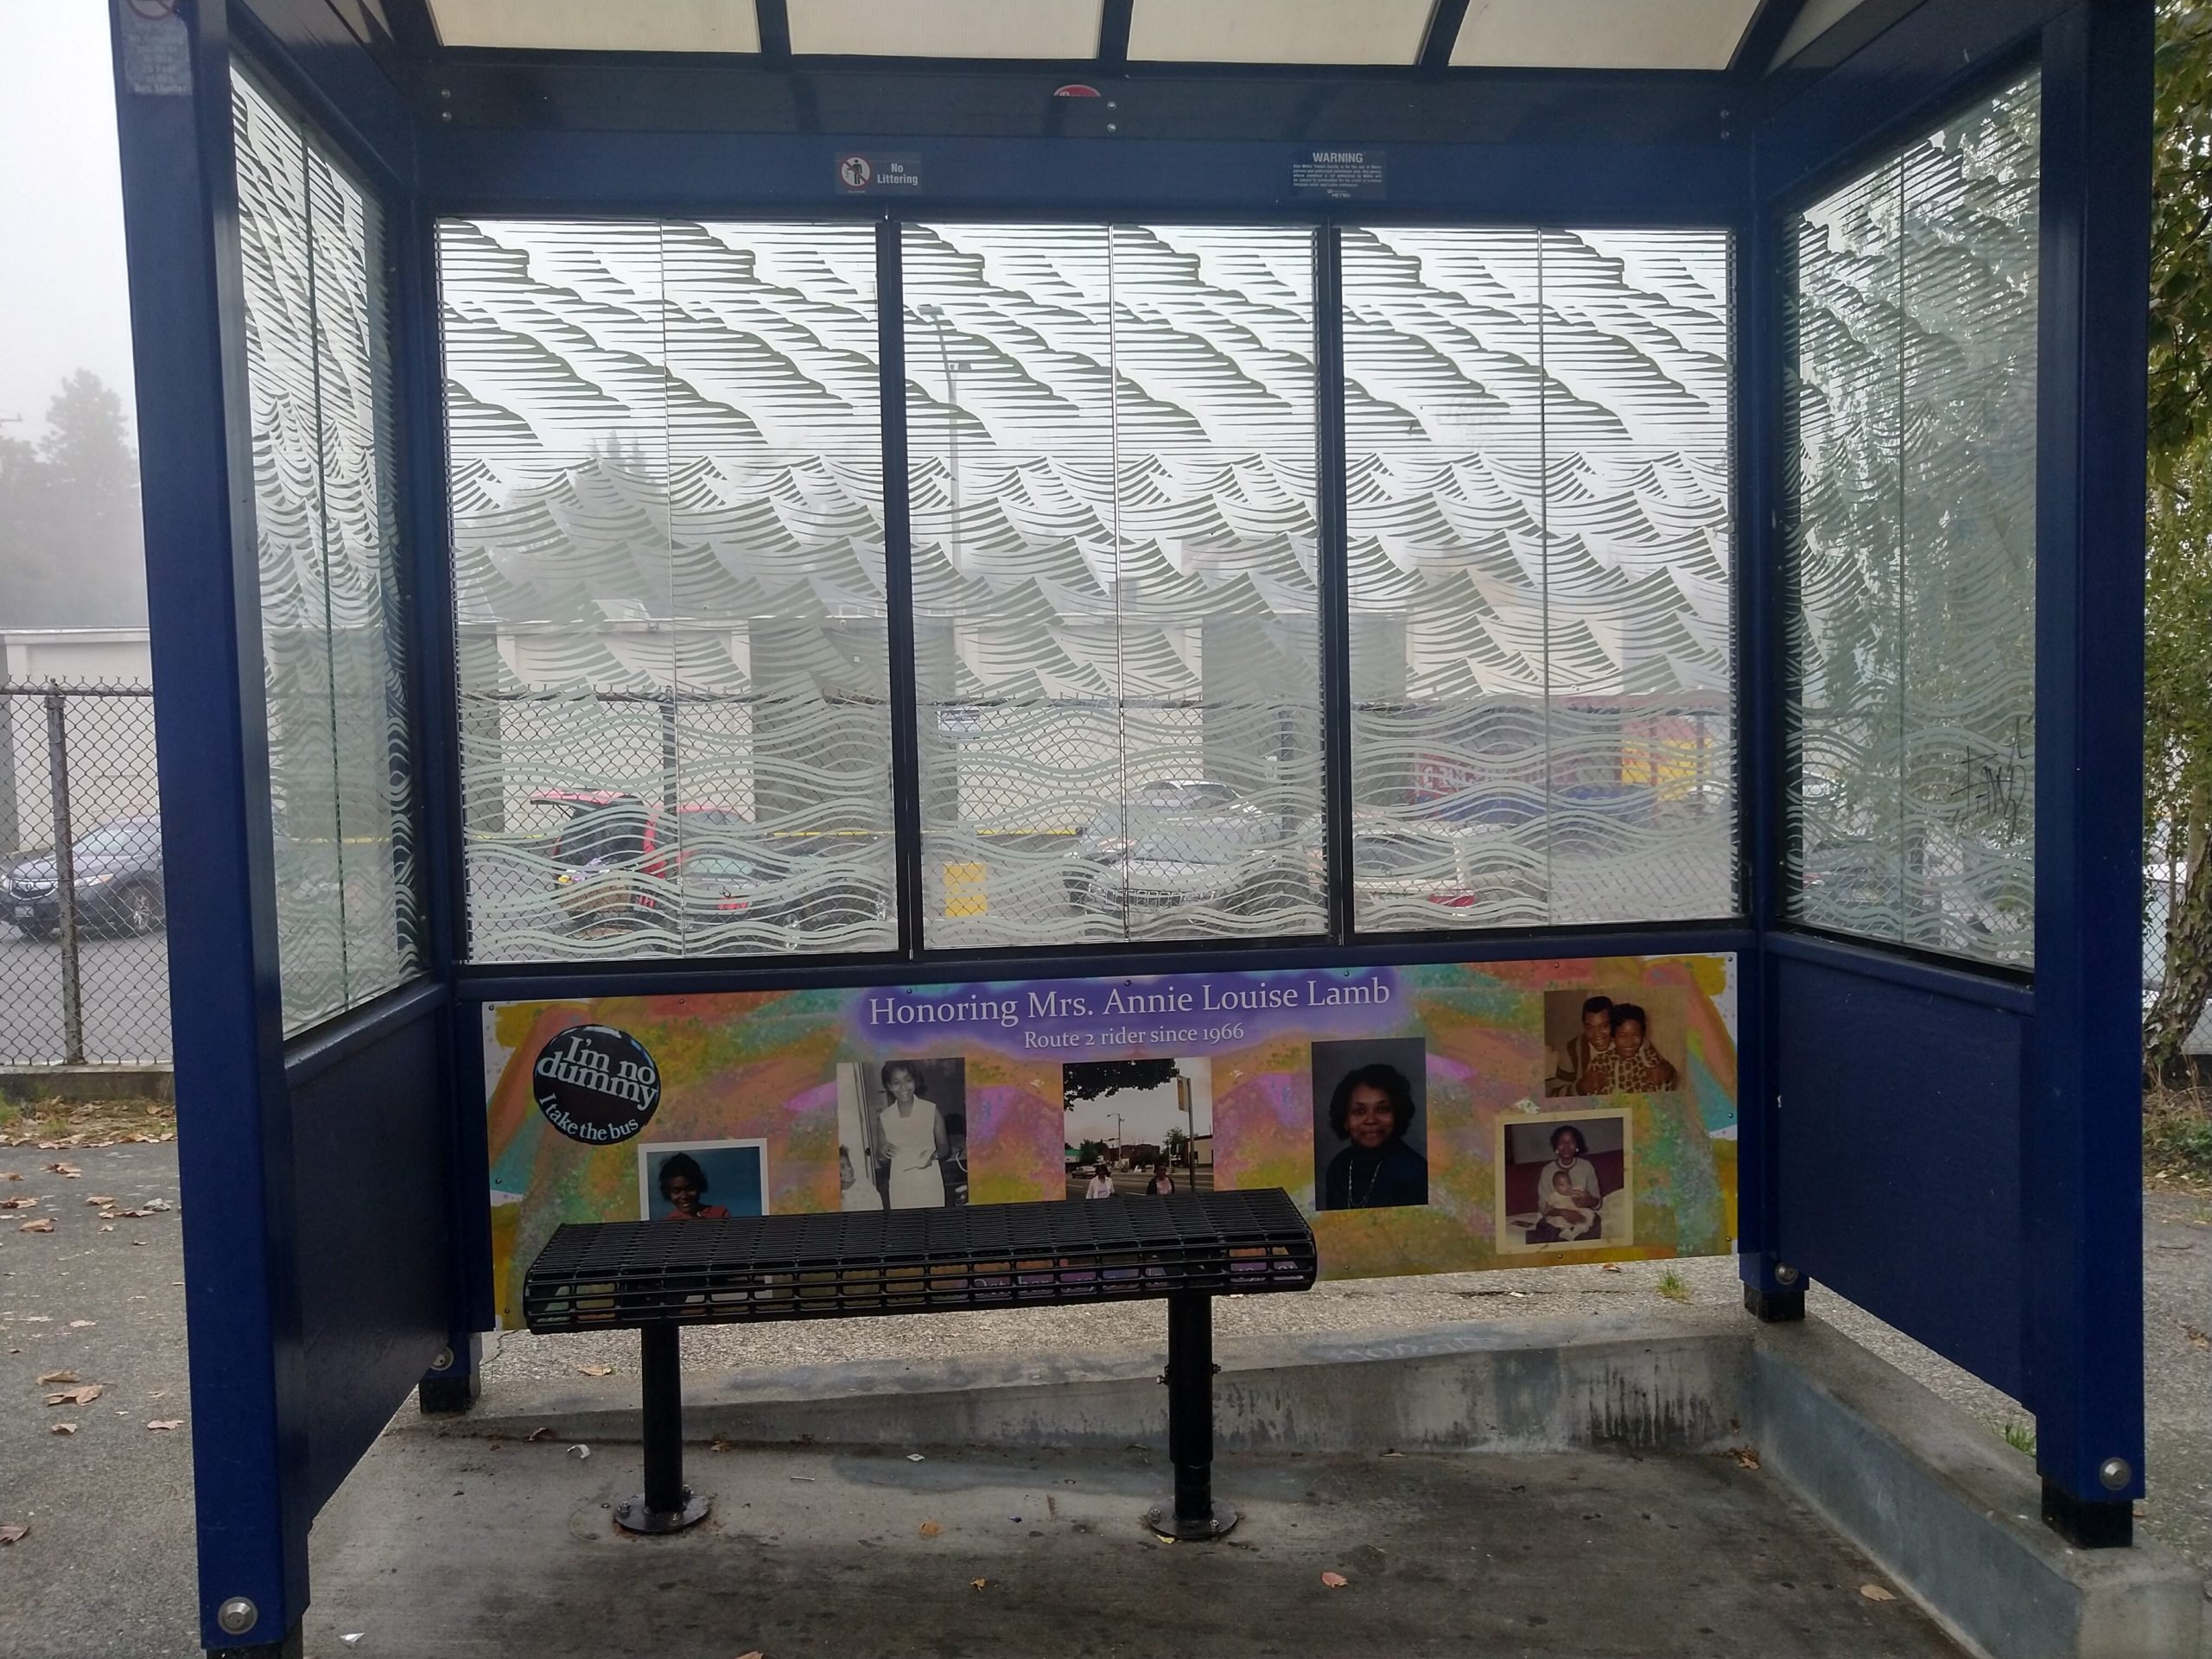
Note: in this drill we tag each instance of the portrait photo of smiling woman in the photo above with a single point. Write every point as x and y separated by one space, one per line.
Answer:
1370 1136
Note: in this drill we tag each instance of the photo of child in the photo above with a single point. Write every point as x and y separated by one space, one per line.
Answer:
902 1135
701 1180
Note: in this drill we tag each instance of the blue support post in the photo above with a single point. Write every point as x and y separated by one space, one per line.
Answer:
2082 1168
1773 1291
234 1145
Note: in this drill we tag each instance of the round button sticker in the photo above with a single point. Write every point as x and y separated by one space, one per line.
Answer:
596 1084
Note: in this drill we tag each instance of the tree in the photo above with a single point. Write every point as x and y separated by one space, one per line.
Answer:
71 553
1098 1077
2178 751
1177 1146
2181 234
2178 622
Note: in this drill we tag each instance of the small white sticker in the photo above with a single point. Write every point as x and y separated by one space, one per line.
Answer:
156 48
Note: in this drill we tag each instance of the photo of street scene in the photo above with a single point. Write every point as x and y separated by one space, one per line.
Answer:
1138 1126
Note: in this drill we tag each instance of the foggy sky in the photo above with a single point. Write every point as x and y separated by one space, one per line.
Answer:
63 304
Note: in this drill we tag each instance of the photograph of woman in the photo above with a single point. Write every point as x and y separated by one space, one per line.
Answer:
910 1130
1563 1182
1370 1110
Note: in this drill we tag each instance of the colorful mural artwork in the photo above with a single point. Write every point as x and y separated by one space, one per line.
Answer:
1431 1118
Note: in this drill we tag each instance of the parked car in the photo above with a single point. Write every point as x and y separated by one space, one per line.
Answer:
628 860
1184 843
1421 873
118 869
719 884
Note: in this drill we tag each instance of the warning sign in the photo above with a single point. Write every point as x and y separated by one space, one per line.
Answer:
1340 174
866 175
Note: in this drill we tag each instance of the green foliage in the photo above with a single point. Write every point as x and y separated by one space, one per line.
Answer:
1673 1287
2181 238
1096 1077
2178 1137
1090 1152
2021 1437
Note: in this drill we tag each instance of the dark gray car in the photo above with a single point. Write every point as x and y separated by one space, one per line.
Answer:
118 877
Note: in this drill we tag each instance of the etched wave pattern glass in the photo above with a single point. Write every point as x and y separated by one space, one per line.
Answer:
1911 531
348 908
1111 454
1541 575
667 502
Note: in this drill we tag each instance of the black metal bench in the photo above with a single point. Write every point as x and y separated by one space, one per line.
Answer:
656 1277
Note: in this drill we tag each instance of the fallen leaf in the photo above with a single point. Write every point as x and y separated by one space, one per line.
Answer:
24 1203
43 1224
99 1204
1875 1592
596 1370
915 1457
61 1428
68 1172
2196 1338
159 1204
162 1425
12 1176
355 1640
1334 1581
755 1654
1745 1455
57 1376
541 1434
930 1529
12 1531
82 1325
580 1452
83 1396
977 1584
1611 1266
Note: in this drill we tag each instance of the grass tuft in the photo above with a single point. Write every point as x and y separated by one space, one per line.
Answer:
1672 1287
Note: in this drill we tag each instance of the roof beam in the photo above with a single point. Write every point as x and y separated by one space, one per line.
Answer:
1763 37
775 33
1114 35
1443 35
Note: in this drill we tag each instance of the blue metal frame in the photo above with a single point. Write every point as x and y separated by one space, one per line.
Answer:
2059 1316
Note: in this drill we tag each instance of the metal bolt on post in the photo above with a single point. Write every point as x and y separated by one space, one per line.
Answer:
65 875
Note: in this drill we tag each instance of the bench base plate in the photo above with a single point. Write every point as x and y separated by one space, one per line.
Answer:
1162 1519
631 1515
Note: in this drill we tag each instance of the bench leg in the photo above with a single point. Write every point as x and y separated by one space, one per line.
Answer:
1194 1516
666 1504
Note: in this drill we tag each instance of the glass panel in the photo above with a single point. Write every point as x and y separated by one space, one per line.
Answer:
1541 576
1111 436
1911 530
313 264
668 567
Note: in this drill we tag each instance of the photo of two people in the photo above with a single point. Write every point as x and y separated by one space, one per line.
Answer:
902 1135
1611 1040
1138 1126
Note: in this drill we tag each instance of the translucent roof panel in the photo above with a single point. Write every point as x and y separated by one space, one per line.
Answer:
1602 33
1279 31
946 29
600 26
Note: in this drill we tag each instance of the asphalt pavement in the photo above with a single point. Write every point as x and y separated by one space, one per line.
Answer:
125 995
105 1570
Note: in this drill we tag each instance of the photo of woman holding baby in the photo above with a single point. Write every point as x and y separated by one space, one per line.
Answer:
1564 1182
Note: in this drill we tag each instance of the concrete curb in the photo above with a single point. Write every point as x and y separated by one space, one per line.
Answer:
1953 1514
32 1084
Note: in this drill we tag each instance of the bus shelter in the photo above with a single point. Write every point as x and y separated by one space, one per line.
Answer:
669 507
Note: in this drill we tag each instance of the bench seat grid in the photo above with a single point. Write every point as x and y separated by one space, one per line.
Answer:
629 1273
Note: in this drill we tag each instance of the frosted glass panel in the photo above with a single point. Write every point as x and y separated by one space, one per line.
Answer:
669 587
1912 531
1111 436
320 382
1537 429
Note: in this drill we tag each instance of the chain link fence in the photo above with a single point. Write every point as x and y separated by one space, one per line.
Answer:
84 968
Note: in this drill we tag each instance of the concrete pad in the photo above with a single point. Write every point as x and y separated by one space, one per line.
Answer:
467 1548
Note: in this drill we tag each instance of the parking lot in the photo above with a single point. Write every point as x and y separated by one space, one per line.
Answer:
124 993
